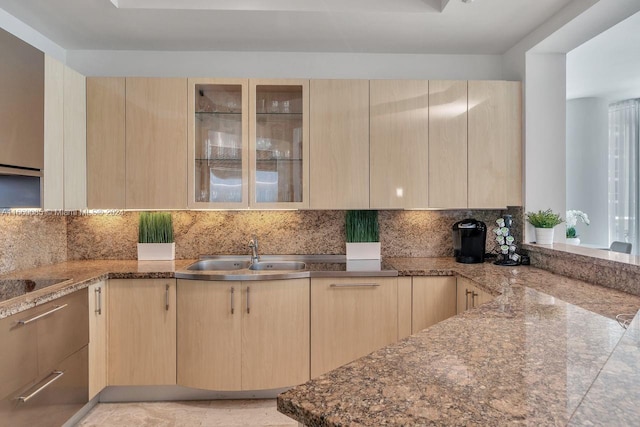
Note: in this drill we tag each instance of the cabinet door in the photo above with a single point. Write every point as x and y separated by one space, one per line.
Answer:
495 144
350 318
275 334
339 144
106 142
156 143
75 140
53 182
447 144
279 143
399 144
97 338
218 137
142 332
434 300
209 332
19 355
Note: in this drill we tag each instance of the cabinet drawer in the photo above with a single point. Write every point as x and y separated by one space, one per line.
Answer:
53 399
64 331
19 356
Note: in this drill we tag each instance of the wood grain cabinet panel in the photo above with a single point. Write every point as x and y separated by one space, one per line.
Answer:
399 143
434 300
339 144
350 318
447 144
142 332
494 144
106 142
97 338
156 143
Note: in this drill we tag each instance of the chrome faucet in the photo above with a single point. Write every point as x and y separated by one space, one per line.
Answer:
253 245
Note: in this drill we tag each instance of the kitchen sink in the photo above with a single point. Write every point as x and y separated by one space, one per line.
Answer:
278 265
218 265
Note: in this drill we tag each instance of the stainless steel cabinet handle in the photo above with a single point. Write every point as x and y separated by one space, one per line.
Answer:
232 304
248 292
473 299
99 300
466 298
354 285
166 297
40 316
56 377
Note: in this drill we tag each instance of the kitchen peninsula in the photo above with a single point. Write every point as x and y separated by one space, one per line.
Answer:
540 360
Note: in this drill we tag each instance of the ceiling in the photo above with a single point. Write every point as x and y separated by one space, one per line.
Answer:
376 26
608 65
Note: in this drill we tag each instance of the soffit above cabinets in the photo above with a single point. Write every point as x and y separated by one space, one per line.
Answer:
373 26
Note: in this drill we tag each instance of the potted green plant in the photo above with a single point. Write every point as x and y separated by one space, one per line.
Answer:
155 237
363 235
544 221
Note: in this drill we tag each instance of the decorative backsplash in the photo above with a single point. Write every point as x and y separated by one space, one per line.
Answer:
30 241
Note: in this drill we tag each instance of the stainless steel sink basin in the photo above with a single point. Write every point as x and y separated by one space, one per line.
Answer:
218 265
278 265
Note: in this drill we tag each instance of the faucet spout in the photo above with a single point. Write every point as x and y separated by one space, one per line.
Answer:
253 245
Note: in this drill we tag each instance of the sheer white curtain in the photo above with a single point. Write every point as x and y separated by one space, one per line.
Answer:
624 125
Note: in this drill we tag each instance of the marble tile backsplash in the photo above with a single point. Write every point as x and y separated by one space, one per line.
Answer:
28 241
402 233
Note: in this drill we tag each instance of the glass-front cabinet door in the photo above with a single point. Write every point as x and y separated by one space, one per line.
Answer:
218 143
279 144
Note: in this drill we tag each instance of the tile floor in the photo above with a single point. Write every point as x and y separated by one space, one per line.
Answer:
198 413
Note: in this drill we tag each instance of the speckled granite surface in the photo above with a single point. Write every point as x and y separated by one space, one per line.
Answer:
611 269
530 363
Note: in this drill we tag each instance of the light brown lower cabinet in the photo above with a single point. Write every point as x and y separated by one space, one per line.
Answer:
142 332
469 295
243 335
350 318
434 300
97 338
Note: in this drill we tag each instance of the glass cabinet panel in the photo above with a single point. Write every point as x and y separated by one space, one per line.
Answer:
279 141
219 144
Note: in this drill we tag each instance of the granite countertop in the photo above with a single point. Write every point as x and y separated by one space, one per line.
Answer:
546 358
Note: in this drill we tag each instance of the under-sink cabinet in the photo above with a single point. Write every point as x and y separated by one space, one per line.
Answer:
242 335
142 332
433 300
350 318
44 362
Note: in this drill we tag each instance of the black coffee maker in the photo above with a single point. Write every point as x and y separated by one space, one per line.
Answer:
469 237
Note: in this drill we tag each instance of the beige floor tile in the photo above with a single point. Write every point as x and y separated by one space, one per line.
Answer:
218 413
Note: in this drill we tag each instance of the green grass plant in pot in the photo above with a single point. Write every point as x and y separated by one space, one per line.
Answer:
544 221
363 235
155 237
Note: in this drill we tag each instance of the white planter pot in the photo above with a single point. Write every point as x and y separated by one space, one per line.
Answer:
156 251
573 241
363 250
544 236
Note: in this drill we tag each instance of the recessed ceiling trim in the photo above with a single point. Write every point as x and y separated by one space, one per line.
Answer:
402 6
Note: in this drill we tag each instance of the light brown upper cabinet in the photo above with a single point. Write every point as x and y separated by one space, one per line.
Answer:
494 144
279 144
218 143
447 144
399 143
339 144
106 142
156 143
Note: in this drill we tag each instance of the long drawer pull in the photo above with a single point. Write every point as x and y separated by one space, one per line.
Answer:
248 293
99 302
467 292
233 291
57 376
354 285
166 297
40 316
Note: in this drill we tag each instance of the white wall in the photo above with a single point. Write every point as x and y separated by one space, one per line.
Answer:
285 64
587 154
545 86
34 38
